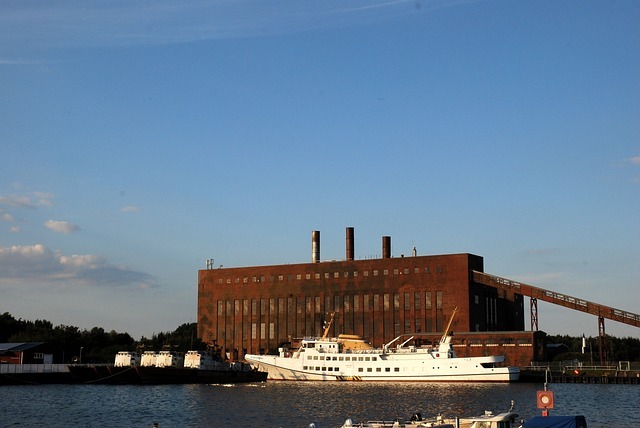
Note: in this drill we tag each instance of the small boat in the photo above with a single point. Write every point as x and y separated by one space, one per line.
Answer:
486 420
416 421
351 358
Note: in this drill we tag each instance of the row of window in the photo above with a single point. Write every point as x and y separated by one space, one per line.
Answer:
323 358
357 303
327 275
360 369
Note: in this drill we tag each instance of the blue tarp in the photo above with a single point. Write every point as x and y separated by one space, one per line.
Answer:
556 422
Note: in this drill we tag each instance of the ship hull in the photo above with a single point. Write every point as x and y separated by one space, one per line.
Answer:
138 375
390 369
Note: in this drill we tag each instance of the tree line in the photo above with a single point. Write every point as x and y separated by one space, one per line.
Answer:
70 344
616 348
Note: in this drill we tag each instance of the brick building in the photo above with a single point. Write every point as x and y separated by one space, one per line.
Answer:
256 309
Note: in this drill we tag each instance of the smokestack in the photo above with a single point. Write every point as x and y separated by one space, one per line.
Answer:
349 243
386 247
315 246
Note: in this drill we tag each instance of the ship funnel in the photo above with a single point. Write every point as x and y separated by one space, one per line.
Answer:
386 247
349 243
315 246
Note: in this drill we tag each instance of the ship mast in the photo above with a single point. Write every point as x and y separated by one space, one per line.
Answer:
446 331
328 326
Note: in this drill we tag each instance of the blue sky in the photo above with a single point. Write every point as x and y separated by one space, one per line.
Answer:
141 138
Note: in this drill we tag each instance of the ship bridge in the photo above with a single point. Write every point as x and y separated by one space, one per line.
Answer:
536 293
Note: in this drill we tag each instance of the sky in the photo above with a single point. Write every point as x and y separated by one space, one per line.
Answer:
139 139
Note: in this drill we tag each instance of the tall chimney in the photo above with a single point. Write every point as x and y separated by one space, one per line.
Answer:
350 243
386 247
315 246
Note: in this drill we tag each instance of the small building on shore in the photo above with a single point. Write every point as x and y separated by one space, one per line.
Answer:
26 353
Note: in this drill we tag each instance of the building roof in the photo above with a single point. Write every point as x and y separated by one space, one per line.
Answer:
20 346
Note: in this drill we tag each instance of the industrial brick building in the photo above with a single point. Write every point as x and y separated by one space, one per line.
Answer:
257 309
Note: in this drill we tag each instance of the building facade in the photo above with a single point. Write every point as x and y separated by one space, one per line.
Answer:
258 309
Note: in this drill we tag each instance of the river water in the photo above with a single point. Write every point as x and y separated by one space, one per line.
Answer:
297 404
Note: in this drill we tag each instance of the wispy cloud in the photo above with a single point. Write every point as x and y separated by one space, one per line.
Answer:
45 24
61 226
130 209
34 200
635 160
27 265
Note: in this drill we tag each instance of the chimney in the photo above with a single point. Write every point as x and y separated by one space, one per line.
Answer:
349 243
315 246
386 247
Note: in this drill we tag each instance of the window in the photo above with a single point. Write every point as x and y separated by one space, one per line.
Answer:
427 301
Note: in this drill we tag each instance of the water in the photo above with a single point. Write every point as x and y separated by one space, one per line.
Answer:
297 404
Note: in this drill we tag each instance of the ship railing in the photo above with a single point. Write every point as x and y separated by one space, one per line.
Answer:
33 368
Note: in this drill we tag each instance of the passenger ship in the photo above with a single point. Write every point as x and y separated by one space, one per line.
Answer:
351 358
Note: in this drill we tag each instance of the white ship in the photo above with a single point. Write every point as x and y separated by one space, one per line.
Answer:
350 358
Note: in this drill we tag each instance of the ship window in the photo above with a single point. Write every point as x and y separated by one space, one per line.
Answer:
396 369
367 359
347 358
304 367
318 368
360 369
387 369
360 358
369 369
378 369
330 369
335 369
374 358
340 358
